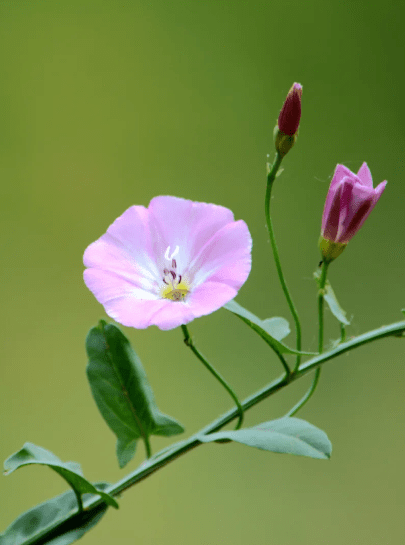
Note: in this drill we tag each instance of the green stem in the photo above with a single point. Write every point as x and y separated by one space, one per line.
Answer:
312 388
270 180
147 446
164 457
283 362
79 500
308 394
321 293
189 342
342 332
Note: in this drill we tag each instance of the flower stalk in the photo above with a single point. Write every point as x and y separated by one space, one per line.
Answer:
312 388
270 180
321 294
190 343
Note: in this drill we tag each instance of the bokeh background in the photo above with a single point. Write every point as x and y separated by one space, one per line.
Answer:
106 104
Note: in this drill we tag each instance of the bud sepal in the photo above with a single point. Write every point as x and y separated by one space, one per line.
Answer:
283 142
330 250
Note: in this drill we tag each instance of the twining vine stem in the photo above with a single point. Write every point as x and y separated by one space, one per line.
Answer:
174 451
271 176
321 293
312 388
190 343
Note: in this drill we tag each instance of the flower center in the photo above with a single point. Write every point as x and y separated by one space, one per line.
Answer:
175 287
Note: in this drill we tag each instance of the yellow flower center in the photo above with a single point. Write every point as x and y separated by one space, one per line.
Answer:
175 286
175 293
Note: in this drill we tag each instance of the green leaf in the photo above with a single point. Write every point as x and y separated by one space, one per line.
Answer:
277 327
122 391
403 311
271 330
37 519
70 471
287 435
332 301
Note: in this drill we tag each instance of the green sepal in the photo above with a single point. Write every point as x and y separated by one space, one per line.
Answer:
330 298
330 250
271 330
70 471
283 142
287 435
35 521
122 392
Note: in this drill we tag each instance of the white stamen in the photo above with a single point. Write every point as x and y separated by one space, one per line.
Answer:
176 251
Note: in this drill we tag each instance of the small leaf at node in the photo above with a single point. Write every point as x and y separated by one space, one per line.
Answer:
70 471
332 301
122 391
271 330
286 435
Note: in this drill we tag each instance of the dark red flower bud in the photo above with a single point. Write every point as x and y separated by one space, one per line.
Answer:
290 114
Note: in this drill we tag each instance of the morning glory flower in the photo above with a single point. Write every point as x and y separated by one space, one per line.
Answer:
169 263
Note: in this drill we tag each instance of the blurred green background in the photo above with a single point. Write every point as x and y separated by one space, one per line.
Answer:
106 104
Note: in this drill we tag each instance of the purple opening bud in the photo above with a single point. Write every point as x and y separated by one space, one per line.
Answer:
350 199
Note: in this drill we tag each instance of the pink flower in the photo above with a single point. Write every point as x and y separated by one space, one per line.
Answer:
169 263
349 201
290 115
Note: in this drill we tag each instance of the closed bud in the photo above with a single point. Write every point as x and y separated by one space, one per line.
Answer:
290 115
285 132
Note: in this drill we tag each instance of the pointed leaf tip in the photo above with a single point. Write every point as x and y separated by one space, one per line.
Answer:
70 471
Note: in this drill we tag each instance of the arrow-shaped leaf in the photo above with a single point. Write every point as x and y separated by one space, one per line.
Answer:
70 471
287 435
46 514
122 391
271 330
